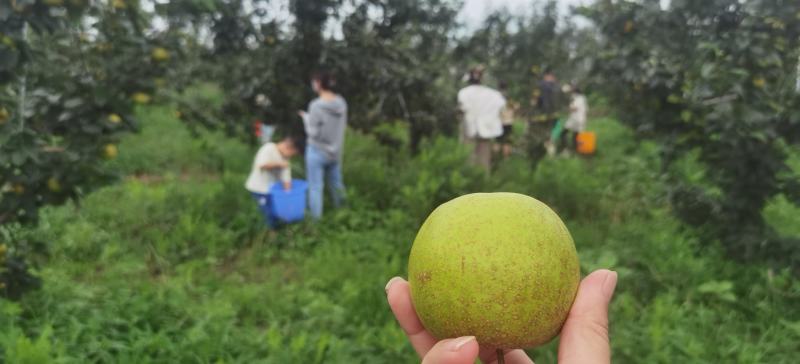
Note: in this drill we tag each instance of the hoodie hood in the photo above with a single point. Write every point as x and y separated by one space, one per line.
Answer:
336 107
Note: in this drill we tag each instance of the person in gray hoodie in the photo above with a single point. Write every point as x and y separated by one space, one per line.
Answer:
325 124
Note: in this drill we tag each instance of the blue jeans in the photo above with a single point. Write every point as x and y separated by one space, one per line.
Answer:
319 169
263 203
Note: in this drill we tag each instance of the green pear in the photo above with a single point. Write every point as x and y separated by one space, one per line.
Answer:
498 266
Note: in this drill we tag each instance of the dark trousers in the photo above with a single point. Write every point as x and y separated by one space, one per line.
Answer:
569 140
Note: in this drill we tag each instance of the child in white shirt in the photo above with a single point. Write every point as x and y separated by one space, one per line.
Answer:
271 165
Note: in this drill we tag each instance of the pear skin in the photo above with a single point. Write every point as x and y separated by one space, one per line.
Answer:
499 266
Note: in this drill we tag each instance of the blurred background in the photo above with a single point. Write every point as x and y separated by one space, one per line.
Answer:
127 132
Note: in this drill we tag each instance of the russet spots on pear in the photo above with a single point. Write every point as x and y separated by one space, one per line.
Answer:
499 266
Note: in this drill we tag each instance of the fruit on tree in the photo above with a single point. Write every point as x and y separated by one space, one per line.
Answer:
140 98
629 26
498 266
53 184
114 119
3 115
110 151
18 188
159 54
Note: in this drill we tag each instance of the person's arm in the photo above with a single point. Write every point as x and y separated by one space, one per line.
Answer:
274 165
286 177
311 121
461 102
573 106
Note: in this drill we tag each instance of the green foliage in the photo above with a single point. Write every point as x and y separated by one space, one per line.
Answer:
709 81
58 123
26 351
382 62
178 268
172 264
519 48
61 122
146 153
417 190
15 247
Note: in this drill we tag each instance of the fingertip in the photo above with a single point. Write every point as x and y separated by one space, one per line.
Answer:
604 280
462 350
391 282
459 343
397 292
594 295
610 284
598 274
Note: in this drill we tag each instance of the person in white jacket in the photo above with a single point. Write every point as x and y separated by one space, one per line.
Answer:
576 123
481 107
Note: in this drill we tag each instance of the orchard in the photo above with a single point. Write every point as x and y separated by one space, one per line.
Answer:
126 138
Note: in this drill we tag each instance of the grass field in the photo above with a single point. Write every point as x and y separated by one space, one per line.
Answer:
172 265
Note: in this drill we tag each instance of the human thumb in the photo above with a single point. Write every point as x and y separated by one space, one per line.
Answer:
584 337
462 350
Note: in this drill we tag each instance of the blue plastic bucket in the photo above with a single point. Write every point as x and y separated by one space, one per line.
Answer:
289 206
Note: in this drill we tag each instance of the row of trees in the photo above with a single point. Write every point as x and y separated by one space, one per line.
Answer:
395 60
715 81
708 79
71 73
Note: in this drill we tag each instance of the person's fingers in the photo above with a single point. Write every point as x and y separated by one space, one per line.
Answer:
462 350
584 338
489 356
398 292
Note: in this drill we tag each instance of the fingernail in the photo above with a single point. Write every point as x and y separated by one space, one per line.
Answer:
610 284
390 283
459 343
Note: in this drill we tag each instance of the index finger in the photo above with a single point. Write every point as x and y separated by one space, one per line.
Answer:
398 292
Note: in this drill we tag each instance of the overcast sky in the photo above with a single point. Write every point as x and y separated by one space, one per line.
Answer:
472 14
475 11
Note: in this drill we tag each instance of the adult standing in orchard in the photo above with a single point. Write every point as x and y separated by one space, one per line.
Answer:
576 123
325 124
481 107
547 102
547 106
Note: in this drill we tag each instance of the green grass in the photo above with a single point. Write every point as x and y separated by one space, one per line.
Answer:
173 266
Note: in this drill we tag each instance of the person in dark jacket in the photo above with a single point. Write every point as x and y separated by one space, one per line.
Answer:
547 104
546 115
